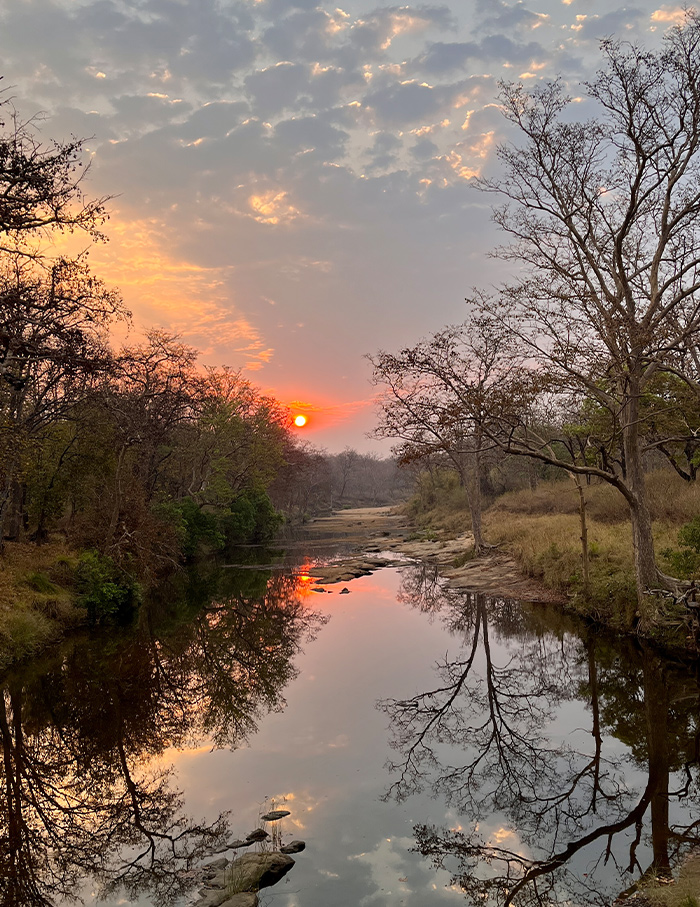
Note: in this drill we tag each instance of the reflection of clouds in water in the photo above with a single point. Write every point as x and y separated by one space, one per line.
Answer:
398 880
387 867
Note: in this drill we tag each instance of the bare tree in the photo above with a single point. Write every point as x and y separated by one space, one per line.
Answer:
440 396
41 186
604 217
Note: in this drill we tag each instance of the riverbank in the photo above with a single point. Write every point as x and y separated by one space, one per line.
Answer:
381 537
37 598
535 555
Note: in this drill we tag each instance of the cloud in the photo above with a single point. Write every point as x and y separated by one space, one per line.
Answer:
441 59
376 32
619 22
669 15
402 104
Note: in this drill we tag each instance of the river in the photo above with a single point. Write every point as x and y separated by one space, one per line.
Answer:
432 747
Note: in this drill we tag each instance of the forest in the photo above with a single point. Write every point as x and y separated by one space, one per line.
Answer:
131 460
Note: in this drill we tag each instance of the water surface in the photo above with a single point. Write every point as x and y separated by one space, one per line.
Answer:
433 748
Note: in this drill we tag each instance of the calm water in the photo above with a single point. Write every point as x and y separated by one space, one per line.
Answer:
433 748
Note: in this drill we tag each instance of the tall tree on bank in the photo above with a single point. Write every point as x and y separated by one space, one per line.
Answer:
52 350
605 220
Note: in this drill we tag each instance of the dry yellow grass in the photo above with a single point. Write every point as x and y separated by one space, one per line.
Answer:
672 500
541 529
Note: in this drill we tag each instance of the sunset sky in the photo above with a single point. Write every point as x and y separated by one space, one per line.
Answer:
291 180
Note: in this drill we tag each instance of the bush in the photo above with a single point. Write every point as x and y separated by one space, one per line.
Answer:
251 518
686 561
196 528
106 593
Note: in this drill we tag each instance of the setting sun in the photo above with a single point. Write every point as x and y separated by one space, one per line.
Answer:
300 420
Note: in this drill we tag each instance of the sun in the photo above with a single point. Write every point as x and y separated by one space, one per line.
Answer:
300 421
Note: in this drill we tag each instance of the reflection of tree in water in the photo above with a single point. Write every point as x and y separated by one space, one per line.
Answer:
482 740
84 793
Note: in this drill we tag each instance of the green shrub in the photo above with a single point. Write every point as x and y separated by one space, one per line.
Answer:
251 518
40 582
104 591
685 562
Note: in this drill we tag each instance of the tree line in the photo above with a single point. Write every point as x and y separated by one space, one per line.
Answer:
140 452
587 360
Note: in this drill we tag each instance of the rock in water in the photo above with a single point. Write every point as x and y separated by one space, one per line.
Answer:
244 899
258 870
344 591
276 814
213 898
258 834
293 847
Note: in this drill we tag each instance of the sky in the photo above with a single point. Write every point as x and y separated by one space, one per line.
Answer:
291 181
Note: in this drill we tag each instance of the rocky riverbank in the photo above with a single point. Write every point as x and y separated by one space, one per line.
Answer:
379 537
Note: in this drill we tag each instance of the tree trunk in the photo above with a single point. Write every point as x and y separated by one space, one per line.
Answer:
657 707
116 509
646 574
475 508
469 475
6 493
584 534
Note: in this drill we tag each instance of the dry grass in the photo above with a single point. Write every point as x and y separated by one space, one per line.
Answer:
682 892
441 505
672 500
36 597
541 528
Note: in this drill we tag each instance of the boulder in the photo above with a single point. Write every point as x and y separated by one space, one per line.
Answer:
244 899
293 847
344 591
213 898
258 870
276 814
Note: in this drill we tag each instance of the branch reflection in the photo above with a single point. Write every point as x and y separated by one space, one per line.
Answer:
86 786
571 768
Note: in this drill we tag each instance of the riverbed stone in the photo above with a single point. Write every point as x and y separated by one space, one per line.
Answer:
259 870
244 899
293 847
258 834
276 814
215 897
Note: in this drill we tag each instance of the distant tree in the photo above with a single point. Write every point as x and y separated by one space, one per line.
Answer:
605 220
440 396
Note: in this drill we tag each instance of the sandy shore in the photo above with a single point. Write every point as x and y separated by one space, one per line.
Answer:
378 537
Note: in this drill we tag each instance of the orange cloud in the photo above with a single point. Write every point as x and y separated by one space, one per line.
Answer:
272 207
671 15
163 291
323 415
